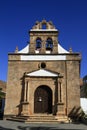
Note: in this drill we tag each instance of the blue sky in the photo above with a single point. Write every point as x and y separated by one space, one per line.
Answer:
18 16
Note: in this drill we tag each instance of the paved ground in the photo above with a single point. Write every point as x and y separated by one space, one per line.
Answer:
10 125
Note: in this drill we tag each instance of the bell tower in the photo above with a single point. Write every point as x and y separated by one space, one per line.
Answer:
43 38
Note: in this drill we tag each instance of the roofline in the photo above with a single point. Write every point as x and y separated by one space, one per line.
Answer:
57 74
43 31
43 69
76 53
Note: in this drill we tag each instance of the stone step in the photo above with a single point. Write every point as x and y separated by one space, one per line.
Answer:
37 119
43 117
15 119
63 119
32 120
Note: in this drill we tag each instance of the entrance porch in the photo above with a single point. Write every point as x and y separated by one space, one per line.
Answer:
42 94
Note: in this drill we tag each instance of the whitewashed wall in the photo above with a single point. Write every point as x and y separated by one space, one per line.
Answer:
83 102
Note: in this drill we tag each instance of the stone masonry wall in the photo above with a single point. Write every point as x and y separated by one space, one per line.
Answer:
69 70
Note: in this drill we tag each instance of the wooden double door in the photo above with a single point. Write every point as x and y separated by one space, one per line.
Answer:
43 100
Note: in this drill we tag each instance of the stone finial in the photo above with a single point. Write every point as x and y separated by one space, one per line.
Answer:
70 50
44 21
37 22
16 50
80 55
50 22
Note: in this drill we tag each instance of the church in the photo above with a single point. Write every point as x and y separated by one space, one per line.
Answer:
43 78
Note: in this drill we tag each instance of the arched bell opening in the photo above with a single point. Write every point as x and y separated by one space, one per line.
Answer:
49 45
38 43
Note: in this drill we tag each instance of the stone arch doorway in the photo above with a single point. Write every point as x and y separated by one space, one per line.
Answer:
43 100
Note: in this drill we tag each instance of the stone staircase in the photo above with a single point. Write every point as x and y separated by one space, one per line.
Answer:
40 119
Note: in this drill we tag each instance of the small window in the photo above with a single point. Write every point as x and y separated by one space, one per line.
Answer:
38 43
49 44
43 65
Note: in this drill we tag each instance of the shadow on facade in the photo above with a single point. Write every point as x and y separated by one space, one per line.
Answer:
76 114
